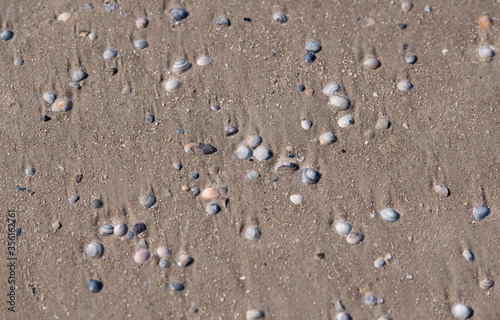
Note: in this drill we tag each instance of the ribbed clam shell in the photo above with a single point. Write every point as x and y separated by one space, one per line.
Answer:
163 252
252 233
309 176
94 250
486 283
383 124
141 23
339 103
78 75
372 63
210 193
147 200
354 238
254 141
343 228
110 54
342 316
212 208
405 85
254 314
469 256
296 198
379 263
279 17
230 130
62 105
64 16
190 147
441 190
204 61
141 256
327 138
331 89
178 14
107 230
139 228
181 66
244 153
262 153
461 311
141 44
306 123
481 211
183 260
313 47
287 166
346 121
120 230
222 21
252 175
173 85
370 299
486 53
389 215
49 97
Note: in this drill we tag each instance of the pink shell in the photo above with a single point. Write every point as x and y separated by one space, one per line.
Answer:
141 256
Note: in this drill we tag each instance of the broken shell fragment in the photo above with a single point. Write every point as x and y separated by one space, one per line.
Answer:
212 208
229 131
64 16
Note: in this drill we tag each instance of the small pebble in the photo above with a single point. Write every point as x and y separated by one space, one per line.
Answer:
309 57
89 6
252 175
215 107
130 235
196 192
74 198
302 88
46 118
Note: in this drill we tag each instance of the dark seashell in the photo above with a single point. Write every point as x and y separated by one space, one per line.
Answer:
222 21
19 188
196 192
287 166
78 178
301 88
208 149
309 57
150 118
95 285
178 14
6 35
97 203
229 131
401 26
176 286
139 228
215 107
309 176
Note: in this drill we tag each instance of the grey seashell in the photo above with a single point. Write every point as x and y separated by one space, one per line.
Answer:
6 35
461 311
411 59
110 6
94 250
309 176
262 153
176 286
372 63
208 149
147 200
287 166
120 230
252 233
327 138
215 107
196 192
313 47
370 299
405 85
222 21
110 54
486 53
296 198
212 208
354 238
379 263
331 89
49 97
74 198
204 61
441 190
141 23
383 124
173 85
163 252
107 230
280 17
244 153
469 256
18 62
193 175
130 235
229 131
254 314
178 14
181 66
183 260
389 215
481 211
78 75
254 141
29 171
165 264
343 228
141 44
486 283
309 57
342 316
346 121
62 105
75 85
339 103
306 123
143 243
177 166
252 175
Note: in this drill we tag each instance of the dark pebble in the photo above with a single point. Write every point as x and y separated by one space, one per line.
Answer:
208 149
193 175
97 203
95 285
130 235
194 310
150 118
78 178
247 19
19 188
46 118
401 26
302 88
176 286
139 228
309 57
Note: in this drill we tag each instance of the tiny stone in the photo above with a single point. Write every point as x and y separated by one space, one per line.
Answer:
74 198
89 6
196 192
310 92
143 243
56 225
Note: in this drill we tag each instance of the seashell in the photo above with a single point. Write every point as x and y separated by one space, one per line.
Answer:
306 123
343 228
138 228
486 53
339 103
49 97
92 36
204 61
481 211
74 198
389 215
64 16
252 233
215 107
97 203
327 138
287 166
141 23
177 166
165 264
370 299
111 72
212 208
183 260
181 66
428 9
147 200
331 89
309 57
296 198
461 311
62 105
253 314
193 175
196 192
354 238
342 316
468 255
309 176
411 59
141 44
130 235
379 263
404 85
441 190
222 21
346 121
372 63
208 149
18 62
254 141
110 54
6 35
94 250
190 146
107 230
176 286
313 47
75 85
252 175
163 252
78 75
141 256
110 7
95 285
120 230
406 6
29 171
210 193
143 243
279 17
173 85
484 22
486 283
229 131
178 14
382 124
262 153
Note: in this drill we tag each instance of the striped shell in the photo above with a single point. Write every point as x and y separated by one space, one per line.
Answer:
306 123
212 208
141 256
64 16
309 176
296 198
331 89
252 233
141 44
313 47
469 256
62 105
222 21
244 153
343 228
346 121
178 14
204 61
254 141
441 190
120 230
210 193
254 314
354 238
327 138
486 53
190 147
147 200
481 211
262 153
6 35
94 250
110 54
49 97
405 85
181 66
389 215
107 230
372 63
339 103
486 283
141 23
280 17
461 311
78 75
173 85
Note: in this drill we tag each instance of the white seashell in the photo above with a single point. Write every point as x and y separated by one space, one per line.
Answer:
92 36
296 198
252 175
486 283
244 153
252 233
313 47
106 230
372 63
406 6
331 89
389 215
346 121
342 316
379 263
441 190
64 16
163 252
370 299
461 311
480 212
486 53
469 256
210 194
94 250
262 153
339 103
183 260
327 138
204 61
141 44
309 176
173 85
279 17
78 75
306 123
110 54
141 23
49 97
254 141
383 124
62 105
141 256
343 228
181 66
222 21
405 85
120 230
254 314
354 238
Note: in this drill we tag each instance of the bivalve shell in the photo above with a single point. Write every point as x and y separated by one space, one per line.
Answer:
252 175
230 130
183 260
62 105
120 230
484 22
173 85
6 35
163 252
379 263
262 153
252 233
339 103
208 149
49 97
141 44
254 141
331 89
461 311
309 176
64 16
486 53
486 283
354 238
469 256
107 230
370 299
222 21
389 215
176 286
141 256
411 59
95 285
296 198
405 85
343 228
346 121
147 200
481 211
181 66
342 316
210 193
94 250
280 17
178 14
287 166
327 138
141 23
372 63
110 54
306 123
204 61
138 228
254 314
313 47
78 75
441 190
244 153
212 208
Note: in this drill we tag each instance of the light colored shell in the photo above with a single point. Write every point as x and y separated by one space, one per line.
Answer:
49 97
230 130
252 233
210 194
309 176
370 299
254 314
441 190
406 6
481 211
181 66
93 36
120 230
252 175
280 17
306 123
339 103
296 198
405 85
212 208
287 166
244 153
141 44
204 61
141 23
78 75
109 54
262 153
107 230
389 215
141 256
222 21
190 147
342 316
382 124
343 228
461 311
379 263
178 13
183 260
313 47
327 138
75 85
484 22
331 89
486 283
147 200
354 238
64 16
346 121
94 250
486 53
163 252
411 59
372 63
254 141
173 85
469 256
18 62
62 105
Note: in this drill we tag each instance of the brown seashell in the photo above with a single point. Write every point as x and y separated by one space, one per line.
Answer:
64 16
484 22
186 188
210 194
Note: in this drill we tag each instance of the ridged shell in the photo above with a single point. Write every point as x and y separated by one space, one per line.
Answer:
405 85
204 61
331 89
287 166
342 316
173 85
147 200
469 256
183 260
141 23
486 283
64 16
339 103
306 123
379 263
190 147
110 54
441 190
461 311
346 121
141 44
327 138
262 153
210 193
252 233
354 238
181 66
141 256
296 198
178 14
120 230
212 208
313 47
62 105
244 153
94 250
139 228
230 130
486 53
372 63
252 175
370 299
222 21
254 141
49 97
382 124
309 176
6 35
107 230
163 252
481 211
78 75
254 314
389 215
484 22
343 228
280 17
